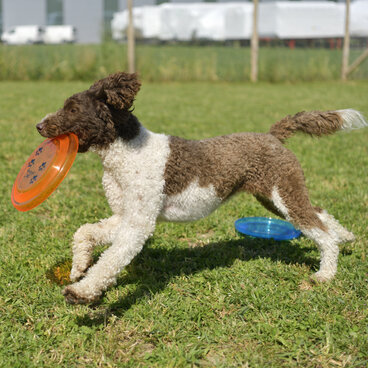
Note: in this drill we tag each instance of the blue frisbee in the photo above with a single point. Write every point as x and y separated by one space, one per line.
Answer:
266 228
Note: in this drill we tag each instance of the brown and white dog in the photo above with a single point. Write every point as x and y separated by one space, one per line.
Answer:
149 177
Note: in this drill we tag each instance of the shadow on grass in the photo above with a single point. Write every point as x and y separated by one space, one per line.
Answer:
154 268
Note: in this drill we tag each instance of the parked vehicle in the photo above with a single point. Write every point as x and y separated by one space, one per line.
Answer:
22 35
60 34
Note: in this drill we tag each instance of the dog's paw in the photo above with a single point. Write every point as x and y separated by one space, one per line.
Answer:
322 276
73 295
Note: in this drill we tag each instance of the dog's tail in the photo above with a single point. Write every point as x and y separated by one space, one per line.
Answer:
318 123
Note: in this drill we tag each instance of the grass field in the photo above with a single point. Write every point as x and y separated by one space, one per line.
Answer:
198 295
172 63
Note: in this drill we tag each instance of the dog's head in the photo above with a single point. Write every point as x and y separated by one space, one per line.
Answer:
98 115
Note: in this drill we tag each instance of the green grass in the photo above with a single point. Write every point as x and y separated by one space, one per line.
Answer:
198 294
172 63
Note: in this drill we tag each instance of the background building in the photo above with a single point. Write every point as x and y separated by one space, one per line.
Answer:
23 12
87 17
90 17
1 15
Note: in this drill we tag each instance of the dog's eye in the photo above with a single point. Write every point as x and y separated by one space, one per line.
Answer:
73 110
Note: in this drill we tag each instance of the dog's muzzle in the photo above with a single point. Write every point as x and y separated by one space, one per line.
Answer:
39 127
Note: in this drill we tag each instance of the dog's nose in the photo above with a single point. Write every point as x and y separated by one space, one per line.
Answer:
39 127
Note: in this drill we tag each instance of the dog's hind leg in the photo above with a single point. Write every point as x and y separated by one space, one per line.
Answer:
328 220
86 238
294 204
333 225
269 205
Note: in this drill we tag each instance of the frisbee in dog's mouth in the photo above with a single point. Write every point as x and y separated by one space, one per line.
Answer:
266 228
44 171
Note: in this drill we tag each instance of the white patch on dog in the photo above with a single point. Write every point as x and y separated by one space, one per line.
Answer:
87 237
327 244
134 183
191 204
47 116
134 172
326 240
279 203
353 119
333 225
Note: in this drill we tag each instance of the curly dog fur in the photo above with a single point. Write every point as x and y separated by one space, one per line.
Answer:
150 177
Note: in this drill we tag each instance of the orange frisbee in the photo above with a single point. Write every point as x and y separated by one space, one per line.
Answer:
44 170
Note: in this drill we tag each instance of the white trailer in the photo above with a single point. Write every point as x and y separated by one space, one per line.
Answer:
285 20
23 35
301 20
60 34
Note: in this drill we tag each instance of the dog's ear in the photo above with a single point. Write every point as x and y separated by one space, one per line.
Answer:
117 90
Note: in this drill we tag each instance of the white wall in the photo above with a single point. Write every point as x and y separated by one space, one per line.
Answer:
87 17
23 12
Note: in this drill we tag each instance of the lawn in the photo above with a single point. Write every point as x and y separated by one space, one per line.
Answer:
198 294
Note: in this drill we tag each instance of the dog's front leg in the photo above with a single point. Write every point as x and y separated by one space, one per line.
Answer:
128 242
86 238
